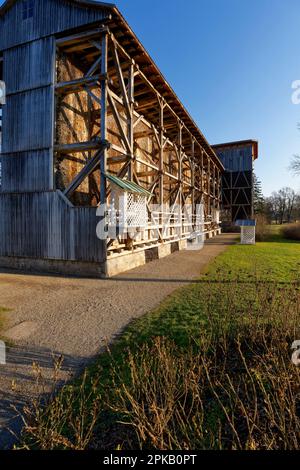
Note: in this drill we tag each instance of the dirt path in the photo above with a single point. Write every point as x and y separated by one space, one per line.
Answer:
74 318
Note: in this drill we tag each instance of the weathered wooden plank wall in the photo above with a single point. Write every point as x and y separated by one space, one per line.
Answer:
237 159
34 65
24 171
27 121
50 17
27 156
37 222
44 226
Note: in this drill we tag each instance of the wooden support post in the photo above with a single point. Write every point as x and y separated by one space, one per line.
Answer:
103 127
193 177
161 158
214 184
120 76
209 185
130 119
219 188
180 126
103 161
202 170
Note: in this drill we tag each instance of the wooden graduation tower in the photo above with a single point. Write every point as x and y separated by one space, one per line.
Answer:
86 105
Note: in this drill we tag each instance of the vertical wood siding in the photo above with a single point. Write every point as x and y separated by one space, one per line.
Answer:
236 159
29 66
44 226
27 139
27 171
50 17
35 222
27 121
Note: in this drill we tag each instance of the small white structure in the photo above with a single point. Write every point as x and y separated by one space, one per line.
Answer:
128 207
2 353
247 231
196 240
216 216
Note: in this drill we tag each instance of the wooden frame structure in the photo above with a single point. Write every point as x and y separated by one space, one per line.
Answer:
132 130
85 99
237 180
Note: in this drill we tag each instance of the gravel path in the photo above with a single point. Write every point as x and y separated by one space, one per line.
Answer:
75 318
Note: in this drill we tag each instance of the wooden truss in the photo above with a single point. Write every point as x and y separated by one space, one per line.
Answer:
237 195
111 117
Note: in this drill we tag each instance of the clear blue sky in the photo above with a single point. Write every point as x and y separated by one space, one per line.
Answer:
232 63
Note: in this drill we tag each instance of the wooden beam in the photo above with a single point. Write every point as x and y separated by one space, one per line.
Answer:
120 77
103 122
78 147
94 67
118 159
118 122
76 85
80 36
130 125
87 170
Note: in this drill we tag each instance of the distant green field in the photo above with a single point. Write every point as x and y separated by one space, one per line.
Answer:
277 260
237 274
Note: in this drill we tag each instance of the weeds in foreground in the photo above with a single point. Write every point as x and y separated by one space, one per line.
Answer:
61 421
243 394
225 381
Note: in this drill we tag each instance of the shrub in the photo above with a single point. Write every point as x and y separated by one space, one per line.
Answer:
238 394
262 228
291 231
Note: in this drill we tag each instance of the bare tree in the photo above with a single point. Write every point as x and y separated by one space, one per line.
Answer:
295 165
282 205
289 196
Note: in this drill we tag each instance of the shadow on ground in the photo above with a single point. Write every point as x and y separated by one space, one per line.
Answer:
30 374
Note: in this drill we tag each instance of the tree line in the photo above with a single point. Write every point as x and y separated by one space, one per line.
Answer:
281 207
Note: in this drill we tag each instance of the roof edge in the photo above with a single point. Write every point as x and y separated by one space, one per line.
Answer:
237 143
89 3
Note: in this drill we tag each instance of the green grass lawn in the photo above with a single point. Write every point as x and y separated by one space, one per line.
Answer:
245 292
235 279
277 260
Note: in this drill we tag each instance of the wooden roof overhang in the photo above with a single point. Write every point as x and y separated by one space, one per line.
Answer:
88 3
239 143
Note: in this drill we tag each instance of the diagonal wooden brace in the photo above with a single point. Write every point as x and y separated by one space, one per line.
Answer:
87 170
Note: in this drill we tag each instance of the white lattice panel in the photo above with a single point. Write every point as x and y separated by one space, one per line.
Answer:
200 218
131 209
136 211
216 216
248 235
